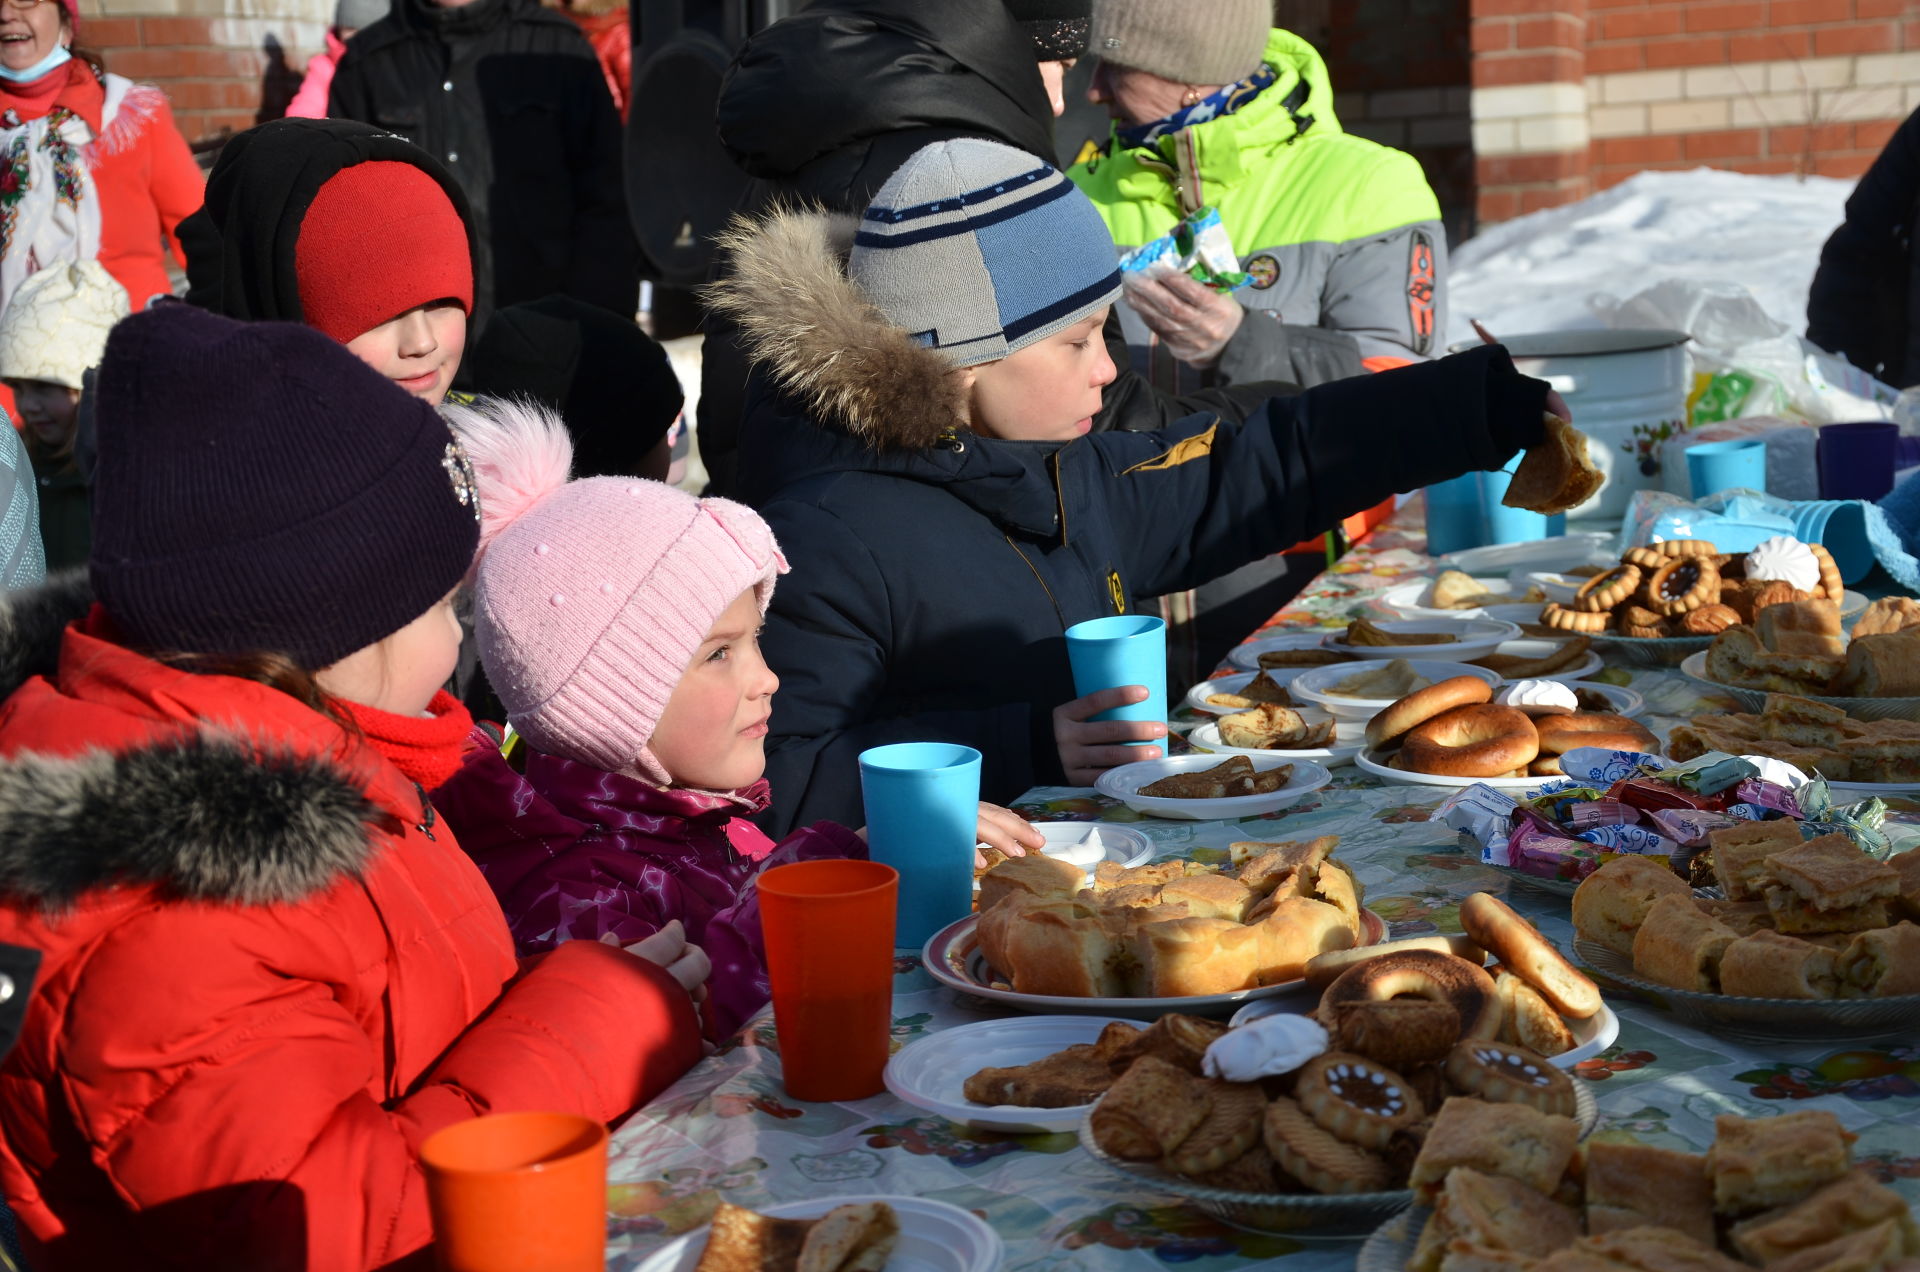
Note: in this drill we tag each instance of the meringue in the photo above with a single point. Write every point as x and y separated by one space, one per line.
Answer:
1538 697
1784 559
1265 1048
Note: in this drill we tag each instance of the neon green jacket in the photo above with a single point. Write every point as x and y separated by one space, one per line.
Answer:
1339 232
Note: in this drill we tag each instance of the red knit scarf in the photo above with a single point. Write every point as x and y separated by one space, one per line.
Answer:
71 84
426 748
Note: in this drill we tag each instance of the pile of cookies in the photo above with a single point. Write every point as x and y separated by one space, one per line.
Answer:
1167 930
1801 918
1781 1192
1688 587
1816 737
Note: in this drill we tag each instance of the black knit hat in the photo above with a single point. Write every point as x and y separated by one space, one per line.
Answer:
1058 28
609 380
261 490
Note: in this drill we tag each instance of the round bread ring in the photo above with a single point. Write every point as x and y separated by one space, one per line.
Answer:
1560 734
1476 741
1419 974
1702 588
1422 705
1559 617
1831 587
1604 591
1521 949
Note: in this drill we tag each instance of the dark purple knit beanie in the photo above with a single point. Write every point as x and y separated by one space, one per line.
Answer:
261 490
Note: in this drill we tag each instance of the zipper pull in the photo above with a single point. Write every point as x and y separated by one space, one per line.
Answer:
427 815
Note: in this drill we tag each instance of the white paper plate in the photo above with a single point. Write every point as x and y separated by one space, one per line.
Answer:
934 1236
1625 701
1590 1036
952 957
1372 763
1124 784
1562 552
1311 685
1540 647
1695 668
1349 736
1558 587
1246 655
932 1073
1477 636
1409 600
1197 696
1122 844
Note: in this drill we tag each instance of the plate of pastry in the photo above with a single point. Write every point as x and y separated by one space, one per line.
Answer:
899 1233
1857 757
1360 693
1303 733
1208 788
1752 694
1169 936
1242 691
1285 654
1457 638
1453 594
1020 1075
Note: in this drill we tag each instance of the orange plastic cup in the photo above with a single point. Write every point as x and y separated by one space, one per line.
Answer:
519 1192
828 927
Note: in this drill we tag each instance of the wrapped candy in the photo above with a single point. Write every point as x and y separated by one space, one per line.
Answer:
1548 856
1689 827
1585 814
1197 247
1758 792
1713 778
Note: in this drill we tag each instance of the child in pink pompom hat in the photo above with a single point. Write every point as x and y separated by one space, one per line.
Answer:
618 621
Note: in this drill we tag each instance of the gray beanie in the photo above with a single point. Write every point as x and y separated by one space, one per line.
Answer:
977 250
1186 41
351 15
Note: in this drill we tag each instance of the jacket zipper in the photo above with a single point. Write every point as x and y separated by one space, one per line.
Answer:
1057 611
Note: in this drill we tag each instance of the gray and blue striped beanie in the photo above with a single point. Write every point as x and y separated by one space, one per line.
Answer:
977 250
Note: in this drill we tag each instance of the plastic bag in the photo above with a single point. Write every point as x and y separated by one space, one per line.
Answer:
1197 247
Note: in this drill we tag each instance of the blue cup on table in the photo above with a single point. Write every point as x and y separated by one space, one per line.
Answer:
1856 460
1737 465
923 806
1127 649
1454 519
1504 524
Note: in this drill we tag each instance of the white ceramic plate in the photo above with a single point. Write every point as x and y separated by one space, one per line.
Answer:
934 1237
1695 668
932 1073
1197 696
1587 547
1590 1036
1124 784
1311 685
952 957
1349 736
1371 762
1410 600
1477 636
1540 647
1246 656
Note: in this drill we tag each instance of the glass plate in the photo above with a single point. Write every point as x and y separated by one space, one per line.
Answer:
1766 1020
1393 1242
1695 668
1655 651
1297 1214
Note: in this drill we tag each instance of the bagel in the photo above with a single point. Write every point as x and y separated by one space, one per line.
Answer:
1560 734
1422 705
1521 949
1428 974
1476 741
1324 969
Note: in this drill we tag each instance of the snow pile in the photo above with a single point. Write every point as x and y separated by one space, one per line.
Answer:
1538 273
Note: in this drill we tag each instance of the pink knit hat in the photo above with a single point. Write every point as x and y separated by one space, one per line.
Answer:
591 597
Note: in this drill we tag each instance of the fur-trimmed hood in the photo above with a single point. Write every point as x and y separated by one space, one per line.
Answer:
210 815
822 342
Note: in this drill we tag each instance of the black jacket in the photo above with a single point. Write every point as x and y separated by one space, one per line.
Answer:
934 571
1865 299
823 106
510 97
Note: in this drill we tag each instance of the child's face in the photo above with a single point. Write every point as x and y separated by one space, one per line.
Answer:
712 736
49 410
400 674
1048 391
419 351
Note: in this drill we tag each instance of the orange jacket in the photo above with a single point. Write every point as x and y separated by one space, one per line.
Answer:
268 974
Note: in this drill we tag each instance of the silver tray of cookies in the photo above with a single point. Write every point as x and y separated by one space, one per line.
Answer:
1762 1020
1298 1214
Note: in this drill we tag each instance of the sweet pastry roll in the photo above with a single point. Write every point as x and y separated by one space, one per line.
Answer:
1251 856
1108 875
1231 1127
1458 982
1802 629
1505 1074
1150 1110
1359 1100
1882 963
1209 896
1298 929
1514 1141
1528 1020
1056 948
1759 1163
1555 475
1888 614
1680 946
1034 876
1882 666
1831 873
1611 903
1317 1158
1789 717
1495 927
1771 965
1852 1203
1636 1185
1770 592
1740 854
1744 917
1179 1040
1334 884
1180 958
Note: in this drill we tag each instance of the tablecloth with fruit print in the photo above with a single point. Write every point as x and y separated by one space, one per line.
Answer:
729 1129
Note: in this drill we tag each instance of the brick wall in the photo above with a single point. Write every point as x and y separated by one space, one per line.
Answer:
1572 96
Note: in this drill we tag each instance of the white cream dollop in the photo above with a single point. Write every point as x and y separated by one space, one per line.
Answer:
1264 1048
1538 697
1786 560
1088 851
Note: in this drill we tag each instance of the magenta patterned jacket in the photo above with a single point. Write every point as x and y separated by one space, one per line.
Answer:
578 854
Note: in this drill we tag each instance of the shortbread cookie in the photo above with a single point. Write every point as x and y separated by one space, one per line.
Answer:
1230 1128
1559 617
1604 591
1315 1157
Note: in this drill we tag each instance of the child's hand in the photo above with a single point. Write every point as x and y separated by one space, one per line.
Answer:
1082 753
686 963
1008 831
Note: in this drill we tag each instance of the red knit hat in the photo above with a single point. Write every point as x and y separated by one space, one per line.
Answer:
379 239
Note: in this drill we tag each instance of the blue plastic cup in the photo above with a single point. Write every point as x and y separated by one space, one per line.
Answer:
1716 466
1856 460
1127 649
1504 524
1839 526
1454 522
923 806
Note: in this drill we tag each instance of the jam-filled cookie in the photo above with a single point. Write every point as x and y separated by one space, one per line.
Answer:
1682 584
1315 1157
1604 591
1360 1100
1505 1074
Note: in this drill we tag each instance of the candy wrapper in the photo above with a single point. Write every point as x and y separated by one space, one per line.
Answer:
1546 856
1197 247
1483 816
1689 827
1859 822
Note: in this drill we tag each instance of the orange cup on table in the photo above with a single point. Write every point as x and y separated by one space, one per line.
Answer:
519 1192
828 927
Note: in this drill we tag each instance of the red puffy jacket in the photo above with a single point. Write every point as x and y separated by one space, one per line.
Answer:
268 974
